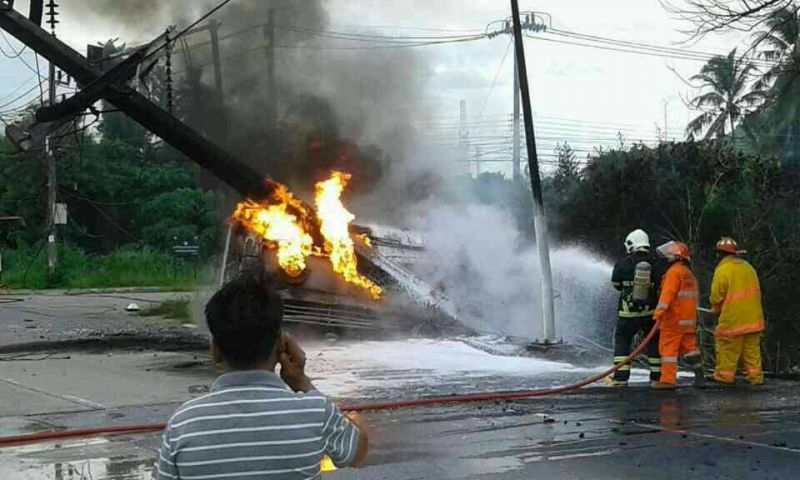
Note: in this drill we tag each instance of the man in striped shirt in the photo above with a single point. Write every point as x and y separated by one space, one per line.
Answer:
254 424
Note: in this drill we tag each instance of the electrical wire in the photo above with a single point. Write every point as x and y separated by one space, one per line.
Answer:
171 39
705 56
17 90
11 47
494 81
624 47
360 37
18 98
185 30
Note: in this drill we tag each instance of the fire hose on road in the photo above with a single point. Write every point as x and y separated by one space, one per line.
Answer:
420 402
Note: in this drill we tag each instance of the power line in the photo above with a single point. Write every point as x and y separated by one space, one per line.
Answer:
601 43
361 37
645 46
19 97
398 27
16 90
494 81
11 47
185 30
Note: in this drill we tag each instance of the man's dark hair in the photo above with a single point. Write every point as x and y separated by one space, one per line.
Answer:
244 318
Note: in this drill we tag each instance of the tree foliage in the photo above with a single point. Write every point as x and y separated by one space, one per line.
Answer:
727 97
694 192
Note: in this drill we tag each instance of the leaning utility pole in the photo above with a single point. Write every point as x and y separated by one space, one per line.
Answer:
546 280
50 158
516 148
534 22
272 94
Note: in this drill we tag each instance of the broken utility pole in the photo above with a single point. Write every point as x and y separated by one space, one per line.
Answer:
205 153
540 226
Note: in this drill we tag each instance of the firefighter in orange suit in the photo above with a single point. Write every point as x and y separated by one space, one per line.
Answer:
677 313
736 298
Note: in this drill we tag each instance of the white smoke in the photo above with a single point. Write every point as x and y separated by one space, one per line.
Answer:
480 259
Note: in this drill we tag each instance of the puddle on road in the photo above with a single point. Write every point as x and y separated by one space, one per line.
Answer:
89 459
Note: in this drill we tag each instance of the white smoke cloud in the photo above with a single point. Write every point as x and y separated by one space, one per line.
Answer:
476 253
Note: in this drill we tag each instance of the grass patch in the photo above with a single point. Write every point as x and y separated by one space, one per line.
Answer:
177 309
128 267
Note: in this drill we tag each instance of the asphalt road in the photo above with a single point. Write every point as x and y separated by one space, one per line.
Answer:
598 433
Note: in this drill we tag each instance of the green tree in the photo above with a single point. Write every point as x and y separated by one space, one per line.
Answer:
727 98
568 168
779 121
22 187
182 215
695 192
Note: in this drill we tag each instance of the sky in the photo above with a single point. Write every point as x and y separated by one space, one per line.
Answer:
579 94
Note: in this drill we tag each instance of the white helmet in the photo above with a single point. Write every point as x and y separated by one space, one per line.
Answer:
637 241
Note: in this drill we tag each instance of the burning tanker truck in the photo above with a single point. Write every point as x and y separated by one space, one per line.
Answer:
332 273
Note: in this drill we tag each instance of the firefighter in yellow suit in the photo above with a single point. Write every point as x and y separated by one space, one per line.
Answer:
736 299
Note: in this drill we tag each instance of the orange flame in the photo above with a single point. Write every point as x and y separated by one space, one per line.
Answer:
335 221
284 223
279 228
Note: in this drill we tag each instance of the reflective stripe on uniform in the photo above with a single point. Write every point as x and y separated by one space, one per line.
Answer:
727 376
752 292
688 294
754 372
686 323
692 354
625 367
655 369
620 358
654 360
662 306
644 313
669 359
738 331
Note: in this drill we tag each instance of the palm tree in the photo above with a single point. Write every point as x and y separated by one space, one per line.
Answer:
727 98
781 44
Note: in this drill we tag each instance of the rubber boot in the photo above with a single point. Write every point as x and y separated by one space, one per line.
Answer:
699 378
610 382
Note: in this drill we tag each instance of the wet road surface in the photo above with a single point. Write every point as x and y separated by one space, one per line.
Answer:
598 433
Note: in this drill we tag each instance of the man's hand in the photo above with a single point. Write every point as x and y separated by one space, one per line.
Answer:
292 359
363 442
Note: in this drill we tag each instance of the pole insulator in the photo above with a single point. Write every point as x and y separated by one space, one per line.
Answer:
52 13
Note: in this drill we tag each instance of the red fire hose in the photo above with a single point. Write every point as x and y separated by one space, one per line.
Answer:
420 402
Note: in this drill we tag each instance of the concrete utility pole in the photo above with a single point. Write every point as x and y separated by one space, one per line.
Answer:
272 93
463 138
546 280
517 147
50 159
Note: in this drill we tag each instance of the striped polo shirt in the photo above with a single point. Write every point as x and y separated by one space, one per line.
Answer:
252 426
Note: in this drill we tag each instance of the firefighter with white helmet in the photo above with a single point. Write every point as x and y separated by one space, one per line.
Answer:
636 277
